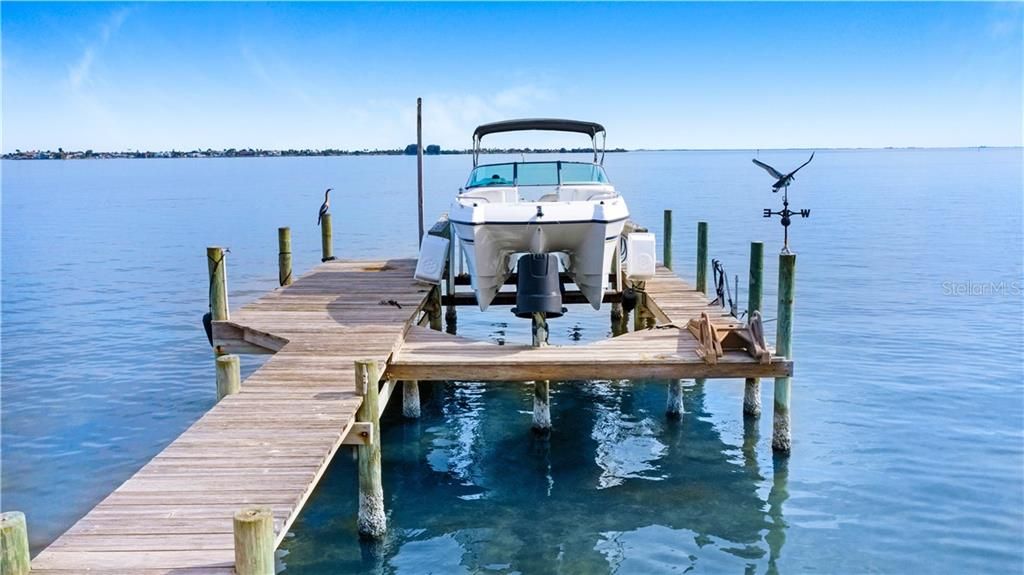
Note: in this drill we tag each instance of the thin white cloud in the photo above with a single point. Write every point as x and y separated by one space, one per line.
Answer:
80 73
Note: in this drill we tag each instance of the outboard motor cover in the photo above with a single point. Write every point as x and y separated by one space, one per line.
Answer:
539 288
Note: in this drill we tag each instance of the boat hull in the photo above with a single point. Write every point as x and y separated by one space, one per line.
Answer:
583 234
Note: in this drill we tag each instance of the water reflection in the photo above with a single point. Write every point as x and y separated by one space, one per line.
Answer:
615 487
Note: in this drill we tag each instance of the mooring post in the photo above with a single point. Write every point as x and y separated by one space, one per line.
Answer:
702 257
254 541
667 246
372 522
229 376
419 163
781 428
14 558
411 399
434 309
752 386
541 387
702 269
284 256
218 282
450 315
326 238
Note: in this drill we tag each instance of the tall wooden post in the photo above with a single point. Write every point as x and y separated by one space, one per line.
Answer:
667 245
217 265
372 521
702 257
541 388
229 376
781 428
752 386
702 269
326 238
419 162
14 557
254 541
434 309
284 256
450 315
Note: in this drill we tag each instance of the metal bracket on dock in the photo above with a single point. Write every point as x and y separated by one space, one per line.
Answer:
361 433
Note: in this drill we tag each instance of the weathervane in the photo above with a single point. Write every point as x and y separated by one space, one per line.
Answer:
782 182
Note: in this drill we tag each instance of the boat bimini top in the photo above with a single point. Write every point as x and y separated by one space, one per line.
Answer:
592 129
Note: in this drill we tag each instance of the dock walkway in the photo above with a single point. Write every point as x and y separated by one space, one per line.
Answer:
267 445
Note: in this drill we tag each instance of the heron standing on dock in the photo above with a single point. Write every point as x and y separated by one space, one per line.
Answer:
324 207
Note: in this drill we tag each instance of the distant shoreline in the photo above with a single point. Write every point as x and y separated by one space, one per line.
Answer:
61 154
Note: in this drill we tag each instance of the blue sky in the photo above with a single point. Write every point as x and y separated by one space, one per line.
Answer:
163 76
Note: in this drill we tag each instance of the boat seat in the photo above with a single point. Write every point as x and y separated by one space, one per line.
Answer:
549 198
582 193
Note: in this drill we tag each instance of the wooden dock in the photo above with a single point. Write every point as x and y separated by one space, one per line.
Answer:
269 444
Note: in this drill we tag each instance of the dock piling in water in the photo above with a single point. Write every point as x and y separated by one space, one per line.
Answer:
14 553
781 424
702 268
674 408
254 541
326 238
217 265
752 385
229 376
667 240
541 387
411 399
372 521
284 256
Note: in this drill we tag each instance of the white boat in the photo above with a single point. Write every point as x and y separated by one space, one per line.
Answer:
559 212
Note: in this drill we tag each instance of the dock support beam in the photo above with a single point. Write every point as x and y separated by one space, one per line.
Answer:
14 558
781 429
411 399
702 269
372 521
450 315
254 541
229 376
326 238
284 256
434 309
217 264
541 388
752 386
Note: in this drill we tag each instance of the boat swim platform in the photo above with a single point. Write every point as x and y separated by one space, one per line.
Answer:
269 444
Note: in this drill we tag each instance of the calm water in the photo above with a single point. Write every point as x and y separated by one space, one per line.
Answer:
908 404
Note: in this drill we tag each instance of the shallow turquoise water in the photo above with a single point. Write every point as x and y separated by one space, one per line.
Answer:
908 404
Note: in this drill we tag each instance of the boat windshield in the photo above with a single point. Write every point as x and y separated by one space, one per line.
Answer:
536 174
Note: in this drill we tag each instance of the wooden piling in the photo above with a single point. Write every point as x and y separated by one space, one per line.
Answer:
254 541
372 522
284 256
411 399
217 265
752 386
229 376
781 428
326 238
14 553
674 407
666 257
702 257
434 308
702 269
541 387
450 315
419 162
